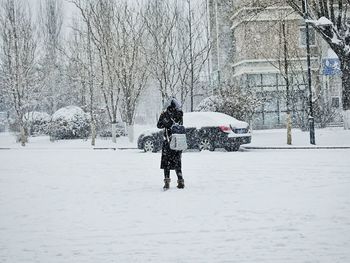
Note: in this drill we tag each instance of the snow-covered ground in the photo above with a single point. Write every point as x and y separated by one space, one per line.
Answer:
63 202
324 137
336 136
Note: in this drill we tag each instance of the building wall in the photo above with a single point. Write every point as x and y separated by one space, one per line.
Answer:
251 52
221 37
258 61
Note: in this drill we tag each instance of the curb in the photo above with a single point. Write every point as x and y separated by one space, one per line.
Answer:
77 148
114 148
128 148
105 148
296 147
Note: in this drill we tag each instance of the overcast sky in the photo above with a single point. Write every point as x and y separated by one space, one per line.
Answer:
69 10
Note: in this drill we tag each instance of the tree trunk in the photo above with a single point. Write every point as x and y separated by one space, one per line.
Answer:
93 133
130 129
114 132
345 68
23 136
346 117
286 72
289 129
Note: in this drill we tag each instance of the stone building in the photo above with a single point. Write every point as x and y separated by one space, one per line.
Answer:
266 53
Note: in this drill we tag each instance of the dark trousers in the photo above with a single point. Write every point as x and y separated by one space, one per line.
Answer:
178 173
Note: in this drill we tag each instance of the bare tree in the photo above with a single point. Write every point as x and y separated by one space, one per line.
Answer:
51 64
17 63
161 19
193 51
104 37
177 50
117 33
330 19
76 67
86 11
132 69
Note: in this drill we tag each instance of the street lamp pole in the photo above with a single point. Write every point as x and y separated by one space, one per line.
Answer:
217 44
311 113
191 51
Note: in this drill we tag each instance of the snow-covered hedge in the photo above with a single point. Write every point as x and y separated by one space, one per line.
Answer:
212 103
106 131
70 122
104 126
37 122
3 121
232 101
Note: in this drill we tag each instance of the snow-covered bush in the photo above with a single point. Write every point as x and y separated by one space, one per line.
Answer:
106 131
324 113
3 121
104 126
212 103
232 101
37 123
70 122
2 126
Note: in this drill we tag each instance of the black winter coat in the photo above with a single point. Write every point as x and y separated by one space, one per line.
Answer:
171 160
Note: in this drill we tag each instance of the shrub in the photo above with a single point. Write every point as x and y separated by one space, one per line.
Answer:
70 122
232 101
37 123
3 121
104 126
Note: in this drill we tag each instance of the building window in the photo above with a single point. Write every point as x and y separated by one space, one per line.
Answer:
269 80
302 36
270 88
335 102
254 80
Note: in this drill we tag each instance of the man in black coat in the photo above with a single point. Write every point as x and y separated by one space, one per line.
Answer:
171 160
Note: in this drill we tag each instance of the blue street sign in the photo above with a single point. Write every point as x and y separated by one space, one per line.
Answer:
331 66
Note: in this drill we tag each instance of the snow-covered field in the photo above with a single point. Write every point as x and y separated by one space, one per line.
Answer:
336 136
324 137
64 202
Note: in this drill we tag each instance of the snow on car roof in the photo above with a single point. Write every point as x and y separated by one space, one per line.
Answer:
206 119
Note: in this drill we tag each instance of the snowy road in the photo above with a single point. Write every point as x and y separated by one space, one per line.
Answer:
107 206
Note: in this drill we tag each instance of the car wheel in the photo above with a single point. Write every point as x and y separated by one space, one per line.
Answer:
205 144
233 148
149 145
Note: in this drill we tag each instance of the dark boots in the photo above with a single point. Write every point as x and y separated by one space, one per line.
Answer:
166 183
180 180
180 183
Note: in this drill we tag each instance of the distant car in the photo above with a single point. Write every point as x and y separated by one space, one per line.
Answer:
204 131
107 132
